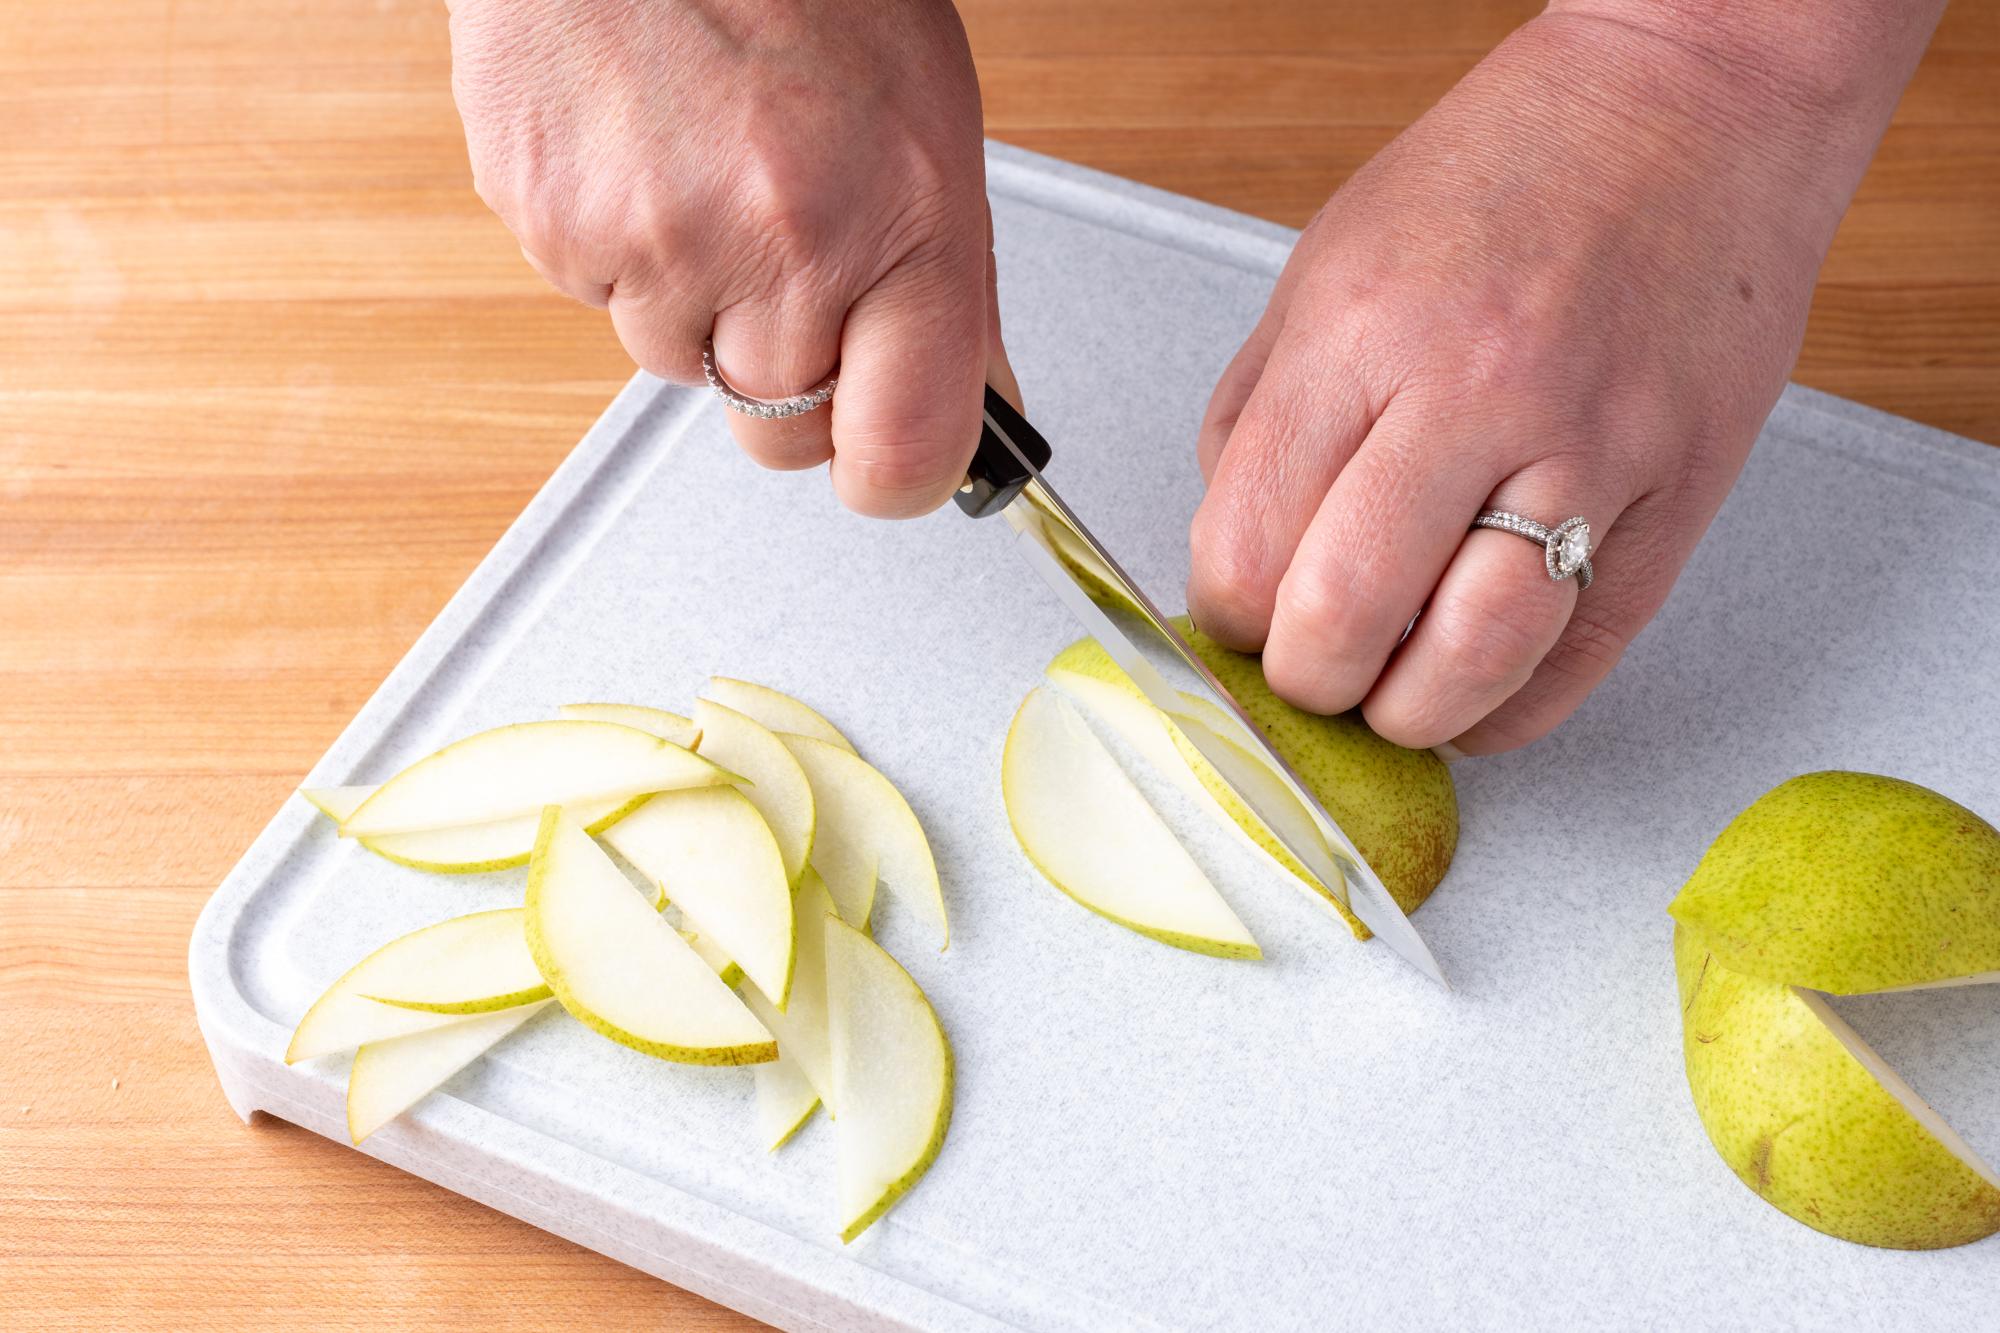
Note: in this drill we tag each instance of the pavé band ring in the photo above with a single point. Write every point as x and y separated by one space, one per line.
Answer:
764 408
1565 547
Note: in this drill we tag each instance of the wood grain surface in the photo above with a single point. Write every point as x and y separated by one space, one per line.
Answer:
271 383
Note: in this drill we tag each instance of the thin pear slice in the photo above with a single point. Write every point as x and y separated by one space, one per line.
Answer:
337 803
778 786
715 857
1093 834
801 1027
469 848
464 958
778 712
867 833
892 1077
617 965
519 769
667 726
718 961
785 1100
468 965
389 1077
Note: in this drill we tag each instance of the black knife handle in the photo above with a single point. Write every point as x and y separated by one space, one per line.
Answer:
997 473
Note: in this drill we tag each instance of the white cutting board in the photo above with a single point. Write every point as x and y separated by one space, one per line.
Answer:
1144 1138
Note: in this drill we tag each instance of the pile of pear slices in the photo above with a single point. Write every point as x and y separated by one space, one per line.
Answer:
765 831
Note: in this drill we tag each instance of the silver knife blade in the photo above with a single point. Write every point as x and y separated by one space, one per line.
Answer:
1128 624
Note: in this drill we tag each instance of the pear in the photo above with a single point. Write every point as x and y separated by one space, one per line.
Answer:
1812 1120
801 1026
785 1100
1850 883
467 849
866 831
389 1077
775 710
667 726
777 786
1398 805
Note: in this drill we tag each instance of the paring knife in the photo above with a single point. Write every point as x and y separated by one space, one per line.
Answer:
1006 478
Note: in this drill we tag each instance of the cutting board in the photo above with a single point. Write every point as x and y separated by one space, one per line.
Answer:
1146 1138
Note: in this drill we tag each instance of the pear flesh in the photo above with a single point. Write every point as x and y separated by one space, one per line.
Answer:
801 1027
389 1077
469 848
517 770
619 968
867 832
1092 833
717 861
892 1077
776 711
785 1100
777 786
667 726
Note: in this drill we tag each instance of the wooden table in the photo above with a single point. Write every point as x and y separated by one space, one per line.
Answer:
272 381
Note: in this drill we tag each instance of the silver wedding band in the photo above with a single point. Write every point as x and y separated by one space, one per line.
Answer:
1565 547
766 409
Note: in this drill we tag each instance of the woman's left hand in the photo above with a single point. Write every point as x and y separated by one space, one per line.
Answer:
1575 287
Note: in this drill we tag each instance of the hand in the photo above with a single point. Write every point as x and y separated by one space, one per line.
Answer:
806 180
1576 286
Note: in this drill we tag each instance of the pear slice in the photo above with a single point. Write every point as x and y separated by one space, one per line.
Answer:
778 786
337 803
778 712
466 959
717 860
892 1077
718 961
479 964
517 770
1092 833
619 968
785 1100
667 726
470 848
867 832
389 1077
801 1027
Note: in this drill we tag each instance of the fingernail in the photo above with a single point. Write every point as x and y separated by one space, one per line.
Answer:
1448 752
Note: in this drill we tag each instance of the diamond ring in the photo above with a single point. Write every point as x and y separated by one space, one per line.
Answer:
1565 547
765 408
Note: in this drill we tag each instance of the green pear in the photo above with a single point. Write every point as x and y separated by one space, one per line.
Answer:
1849 883
1788 1097
1398 805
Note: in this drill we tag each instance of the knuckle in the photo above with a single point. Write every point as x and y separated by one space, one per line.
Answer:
1486 649
1588 649
1233 584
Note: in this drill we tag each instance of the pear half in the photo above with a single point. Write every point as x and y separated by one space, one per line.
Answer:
892 1077
1087 828
1814 1121
867 833
389 1077
517 770
777 711
667 726
718 862
469 848
619 968
777 785
468 959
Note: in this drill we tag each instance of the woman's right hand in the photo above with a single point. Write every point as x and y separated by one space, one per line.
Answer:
805 180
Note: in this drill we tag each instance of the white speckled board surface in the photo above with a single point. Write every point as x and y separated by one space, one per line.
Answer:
1144 1138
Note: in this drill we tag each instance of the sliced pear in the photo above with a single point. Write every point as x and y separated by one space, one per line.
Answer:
717 860
719 962
517 770
778 786
801 1028
785 1100
389 1077
1093 834
867 832
619 968
892 1077
667 726
467 959
337 803
480 964
778 712
470 848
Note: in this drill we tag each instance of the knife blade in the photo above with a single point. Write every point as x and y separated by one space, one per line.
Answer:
1006 478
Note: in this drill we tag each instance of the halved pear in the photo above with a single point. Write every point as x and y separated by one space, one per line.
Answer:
480 964
667 726
517 770
801 1027
470 848
867 833
785 1100
717 860
617 965
778 786
892 1077
389 1077
467 958
778 712
1087 828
